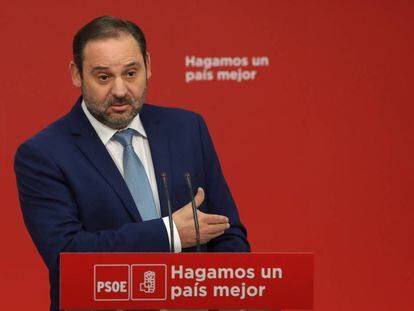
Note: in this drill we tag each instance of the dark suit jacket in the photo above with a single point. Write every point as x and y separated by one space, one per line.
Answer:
74 199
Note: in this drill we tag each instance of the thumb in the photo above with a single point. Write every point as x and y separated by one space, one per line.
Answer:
199 197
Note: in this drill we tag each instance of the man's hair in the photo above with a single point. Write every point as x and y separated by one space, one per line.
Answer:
106 27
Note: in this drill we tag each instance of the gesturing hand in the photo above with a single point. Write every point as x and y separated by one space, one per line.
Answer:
211 225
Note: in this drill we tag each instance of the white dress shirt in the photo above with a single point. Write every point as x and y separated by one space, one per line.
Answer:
142 149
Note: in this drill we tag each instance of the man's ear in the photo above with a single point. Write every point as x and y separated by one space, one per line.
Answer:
75 73
148 66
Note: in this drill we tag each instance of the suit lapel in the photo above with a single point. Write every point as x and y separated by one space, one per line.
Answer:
158 140
94 150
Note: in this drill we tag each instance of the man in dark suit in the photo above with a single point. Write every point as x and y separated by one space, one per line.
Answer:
91 181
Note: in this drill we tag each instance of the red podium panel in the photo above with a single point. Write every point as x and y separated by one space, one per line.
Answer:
186 281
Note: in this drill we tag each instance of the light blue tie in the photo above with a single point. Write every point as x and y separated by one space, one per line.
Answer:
136 177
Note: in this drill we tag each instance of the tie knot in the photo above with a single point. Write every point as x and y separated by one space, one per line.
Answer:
124 137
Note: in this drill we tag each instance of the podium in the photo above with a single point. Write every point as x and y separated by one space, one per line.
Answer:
186 281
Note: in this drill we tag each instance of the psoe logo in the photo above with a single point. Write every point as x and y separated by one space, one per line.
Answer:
148 282
148 286
111 282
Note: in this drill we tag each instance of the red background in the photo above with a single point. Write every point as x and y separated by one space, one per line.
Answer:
318 150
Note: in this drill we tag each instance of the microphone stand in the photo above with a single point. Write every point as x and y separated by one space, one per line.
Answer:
167 197
195 216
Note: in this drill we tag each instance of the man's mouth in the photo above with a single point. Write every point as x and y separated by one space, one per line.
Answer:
119 107
119 104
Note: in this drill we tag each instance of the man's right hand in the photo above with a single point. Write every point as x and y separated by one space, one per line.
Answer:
211 226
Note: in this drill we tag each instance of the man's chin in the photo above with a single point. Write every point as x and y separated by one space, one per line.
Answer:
119 120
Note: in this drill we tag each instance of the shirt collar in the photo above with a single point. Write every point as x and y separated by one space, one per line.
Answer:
105 133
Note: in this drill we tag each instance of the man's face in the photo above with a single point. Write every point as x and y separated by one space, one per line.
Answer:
114 79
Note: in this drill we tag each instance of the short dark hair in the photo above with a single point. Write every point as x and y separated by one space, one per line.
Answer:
105 27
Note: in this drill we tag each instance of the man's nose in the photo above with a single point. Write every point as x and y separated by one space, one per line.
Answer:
119 88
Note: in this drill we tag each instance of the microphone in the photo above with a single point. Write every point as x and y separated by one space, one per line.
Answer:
167 197
195 216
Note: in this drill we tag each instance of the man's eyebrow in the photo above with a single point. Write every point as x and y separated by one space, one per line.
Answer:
132 64
98 68
102 68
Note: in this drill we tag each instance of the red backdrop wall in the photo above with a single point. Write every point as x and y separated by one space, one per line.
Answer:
318 149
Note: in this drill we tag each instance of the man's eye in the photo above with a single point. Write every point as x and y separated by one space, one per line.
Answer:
131 74
103 78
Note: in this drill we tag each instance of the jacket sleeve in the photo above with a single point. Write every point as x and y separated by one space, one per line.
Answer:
52 218
219 199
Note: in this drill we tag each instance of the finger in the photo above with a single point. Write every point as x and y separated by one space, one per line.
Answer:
215 219
205 238
199 197
213 229
213 235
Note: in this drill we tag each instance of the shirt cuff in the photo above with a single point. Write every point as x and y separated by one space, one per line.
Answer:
177 241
